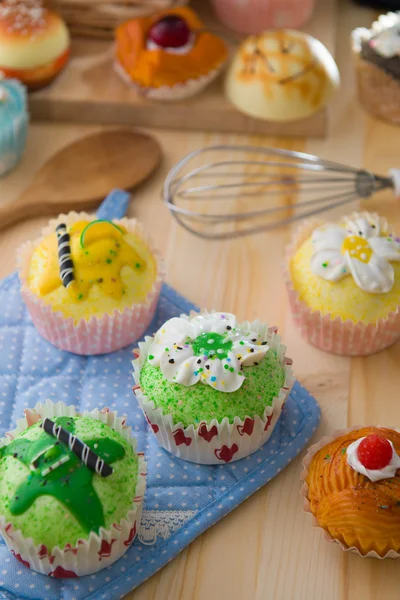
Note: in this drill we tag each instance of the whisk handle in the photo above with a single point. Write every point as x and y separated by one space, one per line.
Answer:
395 175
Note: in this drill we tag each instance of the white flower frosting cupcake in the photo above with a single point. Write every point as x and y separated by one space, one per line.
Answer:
212 389
362 249
344 284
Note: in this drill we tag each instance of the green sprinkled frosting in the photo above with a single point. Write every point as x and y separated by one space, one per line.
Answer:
199 402
48 493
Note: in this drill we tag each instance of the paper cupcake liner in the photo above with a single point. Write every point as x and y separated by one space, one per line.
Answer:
13 133
98 550
335 335
98 335
312 450
378 91
215 442
170 93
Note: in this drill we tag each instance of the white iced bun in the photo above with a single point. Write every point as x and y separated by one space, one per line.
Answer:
281 76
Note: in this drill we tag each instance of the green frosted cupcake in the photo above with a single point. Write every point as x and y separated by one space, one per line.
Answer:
66 487
212 390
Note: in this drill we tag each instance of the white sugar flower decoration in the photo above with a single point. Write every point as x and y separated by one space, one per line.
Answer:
362 247
207 348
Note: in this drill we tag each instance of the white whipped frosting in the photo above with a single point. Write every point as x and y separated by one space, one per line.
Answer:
372 474
209 348
360 247
387 43
150 45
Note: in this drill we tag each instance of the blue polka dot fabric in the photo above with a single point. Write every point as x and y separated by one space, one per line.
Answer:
182 499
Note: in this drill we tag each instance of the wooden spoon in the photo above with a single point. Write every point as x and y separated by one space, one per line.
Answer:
83 173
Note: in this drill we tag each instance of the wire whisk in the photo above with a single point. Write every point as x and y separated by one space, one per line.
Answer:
253 189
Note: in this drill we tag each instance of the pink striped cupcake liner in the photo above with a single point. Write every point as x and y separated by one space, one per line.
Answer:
335 335
99 550
98 335
215 442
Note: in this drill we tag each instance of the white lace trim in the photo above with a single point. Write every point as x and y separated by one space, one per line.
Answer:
162 523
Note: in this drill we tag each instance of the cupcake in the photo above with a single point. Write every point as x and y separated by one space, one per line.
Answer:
14 121
212 390
34 43
71 489
281 75
168 56
377 61
352 488
90 286
343 281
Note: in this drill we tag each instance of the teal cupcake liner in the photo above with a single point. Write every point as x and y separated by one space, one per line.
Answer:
14 120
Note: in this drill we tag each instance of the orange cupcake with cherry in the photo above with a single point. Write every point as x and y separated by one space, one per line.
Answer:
169 56
34 43
352 489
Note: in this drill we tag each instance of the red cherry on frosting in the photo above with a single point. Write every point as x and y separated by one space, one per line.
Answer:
170 32
375 452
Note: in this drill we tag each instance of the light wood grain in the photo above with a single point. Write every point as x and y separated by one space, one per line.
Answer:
90 91
266 549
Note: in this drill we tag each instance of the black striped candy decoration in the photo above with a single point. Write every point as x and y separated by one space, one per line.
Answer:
80 449
64 255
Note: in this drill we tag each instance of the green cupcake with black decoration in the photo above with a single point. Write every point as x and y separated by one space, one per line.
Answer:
71 490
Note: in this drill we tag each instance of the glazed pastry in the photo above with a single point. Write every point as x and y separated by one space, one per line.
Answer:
90 286
68 484
34 43
14 121
344 284
281 75
377 56
353 489
211 389
168 56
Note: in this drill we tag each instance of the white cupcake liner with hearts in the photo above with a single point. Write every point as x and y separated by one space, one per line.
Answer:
311 452
335 335
98 550
171 93
97 335
216 442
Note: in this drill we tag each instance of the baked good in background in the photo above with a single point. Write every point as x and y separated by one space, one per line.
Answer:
170 55
281 75
352 488
343 281
377 60
255 16
69 483
212 389
91 286
34 43
14 120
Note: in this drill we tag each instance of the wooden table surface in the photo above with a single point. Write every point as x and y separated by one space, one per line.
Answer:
266 549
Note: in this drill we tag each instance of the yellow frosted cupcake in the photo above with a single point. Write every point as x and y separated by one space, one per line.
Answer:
344 284
91 286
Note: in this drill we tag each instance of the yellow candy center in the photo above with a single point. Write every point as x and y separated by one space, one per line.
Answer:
98 260
357 247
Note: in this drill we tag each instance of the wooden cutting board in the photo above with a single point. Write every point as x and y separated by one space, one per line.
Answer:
89 91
